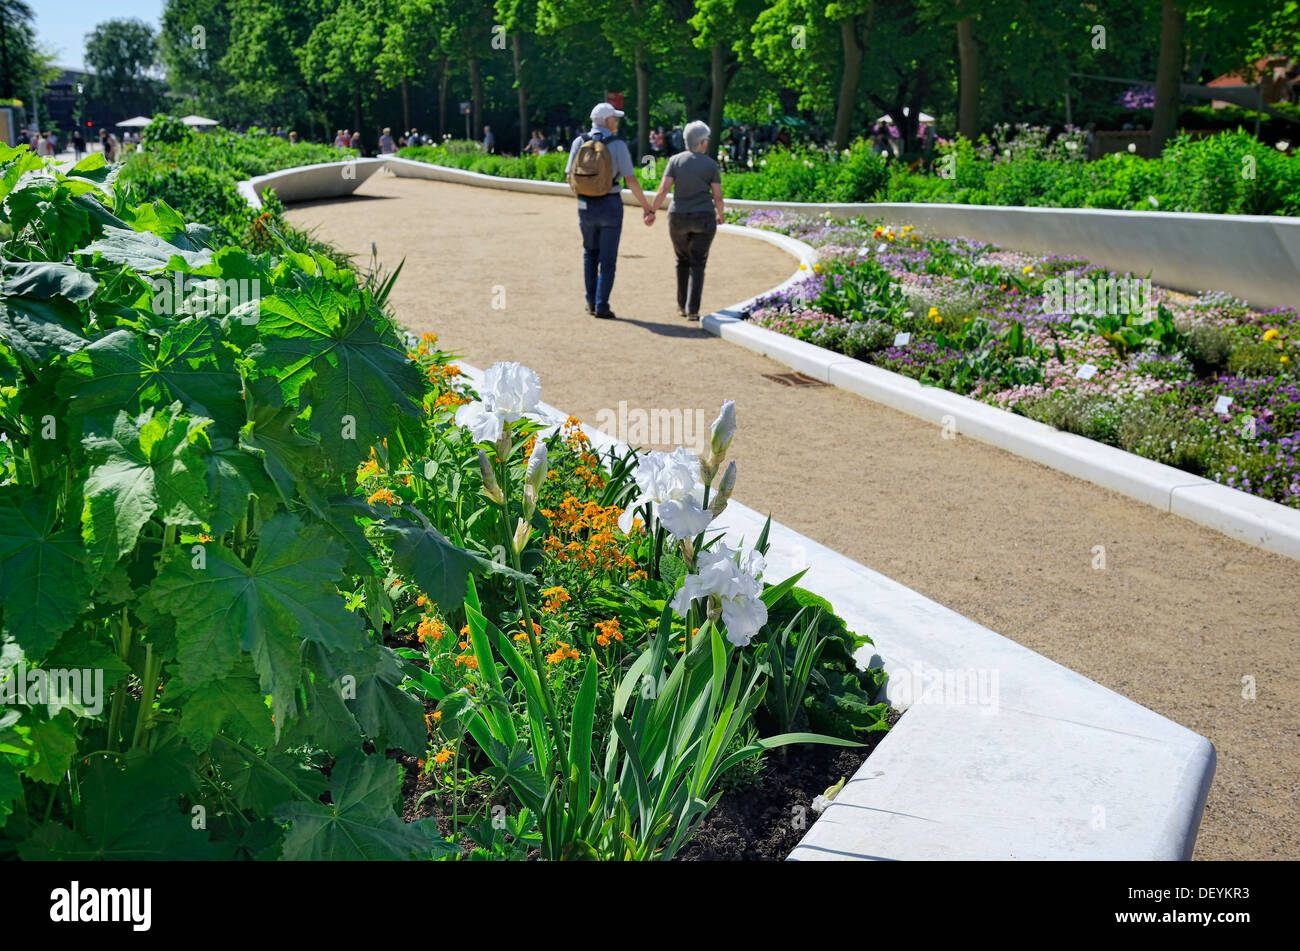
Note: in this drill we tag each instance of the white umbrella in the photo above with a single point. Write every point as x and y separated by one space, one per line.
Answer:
925 117
193 120
138 122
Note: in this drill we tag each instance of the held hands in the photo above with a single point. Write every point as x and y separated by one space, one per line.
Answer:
648 216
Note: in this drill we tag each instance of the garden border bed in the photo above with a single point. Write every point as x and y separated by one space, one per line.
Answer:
1056 767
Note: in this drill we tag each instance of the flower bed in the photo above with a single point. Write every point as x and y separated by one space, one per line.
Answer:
1192 175
1204 384
291 541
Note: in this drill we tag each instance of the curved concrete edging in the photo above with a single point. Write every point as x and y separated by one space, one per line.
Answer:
1046 764
309 182
1031 761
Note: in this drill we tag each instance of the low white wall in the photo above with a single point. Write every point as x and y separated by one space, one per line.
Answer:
311 182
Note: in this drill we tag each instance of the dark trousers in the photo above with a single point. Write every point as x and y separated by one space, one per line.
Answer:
692 235
601 223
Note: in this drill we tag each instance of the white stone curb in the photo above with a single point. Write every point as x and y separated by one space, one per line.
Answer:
1035 762
310 182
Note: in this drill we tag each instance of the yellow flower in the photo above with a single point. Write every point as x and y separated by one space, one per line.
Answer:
817 268
1285 359
909 228
803 267
1270 334
934 312
1028 268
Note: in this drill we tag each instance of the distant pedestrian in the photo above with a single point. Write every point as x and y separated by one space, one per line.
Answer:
697 211
489 140
78 144
414 138
355 141
340 139
386 145
597 160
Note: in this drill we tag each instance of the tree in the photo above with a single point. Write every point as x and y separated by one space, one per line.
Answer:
1169 75
193 41
518 16
122 53
341 53
412 42
18 52
722 27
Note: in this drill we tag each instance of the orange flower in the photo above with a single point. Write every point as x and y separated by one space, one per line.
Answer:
555 597
442 756
564 650
430 629
384 495
607 631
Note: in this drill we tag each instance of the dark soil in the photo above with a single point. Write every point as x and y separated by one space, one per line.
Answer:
759 823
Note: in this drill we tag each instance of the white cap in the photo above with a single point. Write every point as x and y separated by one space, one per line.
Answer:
604 111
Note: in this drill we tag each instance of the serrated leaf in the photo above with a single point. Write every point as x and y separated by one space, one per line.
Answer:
190 365
234 703
287 455
127 815
360 823
267 608
145 251
11 787
233 475
427 557
38 329
149 465
323 348
53 744
44 279
43 580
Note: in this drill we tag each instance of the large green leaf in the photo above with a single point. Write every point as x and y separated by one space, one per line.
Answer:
46 214
325 349
234 702
359 822
145 251
192 365
289 457
153 464
11 788
52 743
128 815
267 608
427 557
233 475
43 580
38 328
43 279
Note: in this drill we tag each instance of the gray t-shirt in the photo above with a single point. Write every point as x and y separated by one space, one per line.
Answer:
618 152
692 174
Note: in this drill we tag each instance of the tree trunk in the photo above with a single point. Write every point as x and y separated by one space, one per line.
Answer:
406 106
442 100
719 80
522 92
642 105
968 118
476 84
356 114
852 50
1169 74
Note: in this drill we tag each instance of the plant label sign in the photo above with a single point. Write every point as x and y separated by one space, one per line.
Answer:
1086 372
1221 405
902 340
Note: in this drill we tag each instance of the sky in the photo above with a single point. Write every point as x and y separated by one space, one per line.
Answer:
63 24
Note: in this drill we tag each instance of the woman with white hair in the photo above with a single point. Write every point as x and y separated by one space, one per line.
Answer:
693 220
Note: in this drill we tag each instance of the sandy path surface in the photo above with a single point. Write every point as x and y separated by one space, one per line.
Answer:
1175 621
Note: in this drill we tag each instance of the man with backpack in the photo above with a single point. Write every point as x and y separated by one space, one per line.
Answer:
597 160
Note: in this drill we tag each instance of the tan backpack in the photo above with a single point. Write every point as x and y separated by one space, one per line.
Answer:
592 174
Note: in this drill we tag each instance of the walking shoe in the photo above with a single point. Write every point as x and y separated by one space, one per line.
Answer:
692 316
681 311
604 314
591 308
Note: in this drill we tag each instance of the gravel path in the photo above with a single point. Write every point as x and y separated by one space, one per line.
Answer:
1176 619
